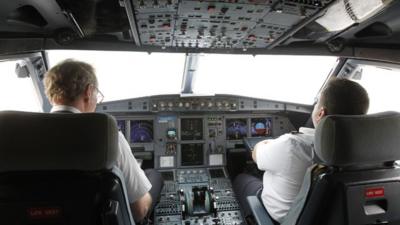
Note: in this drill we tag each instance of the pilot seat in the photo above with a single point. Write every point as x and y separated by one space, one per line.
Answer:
355 179
59 169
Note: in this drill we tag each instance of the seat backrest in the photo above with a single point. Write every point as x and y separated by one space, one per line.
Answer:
358 182
60 169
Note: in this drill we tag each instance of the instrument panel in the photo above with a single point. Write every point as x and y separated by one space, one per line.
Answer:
181 140
193 142
182 132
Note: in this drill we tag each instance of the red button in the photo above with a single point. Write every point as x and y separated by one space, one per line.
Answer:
252 37
211 8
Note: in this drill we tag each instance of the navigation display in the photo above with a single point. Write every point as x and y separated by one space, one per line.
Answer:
192 155
121 126
236 129
141 131
191 129
261 127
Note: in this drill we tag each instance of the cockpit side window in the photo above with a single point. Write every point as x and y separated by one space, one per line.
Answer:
382 84
16 92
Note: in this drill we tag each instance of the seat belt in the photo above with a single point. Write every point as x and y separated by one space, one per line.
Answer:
300 200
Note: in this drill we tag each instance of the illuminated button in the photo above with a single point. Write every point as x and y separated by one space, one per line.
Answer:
162 104
154 105
202 104
210 104
187 104
170 104
219 104
226 104
180 104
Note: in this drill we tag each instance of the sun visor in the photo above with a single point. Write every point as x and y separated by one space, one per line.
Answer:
345 13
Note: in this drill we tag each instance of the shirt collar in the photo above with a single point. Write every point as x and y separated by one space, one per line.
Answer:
306 130
57 108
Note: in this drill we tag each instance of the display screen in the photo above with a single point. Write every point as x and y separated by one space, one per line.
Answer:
171 134
121 126
192 155
141 131
261 127
236 129
191 129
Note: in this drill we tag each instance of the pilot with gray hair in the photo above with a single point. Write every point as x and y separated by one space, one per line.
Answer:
285 159
71 86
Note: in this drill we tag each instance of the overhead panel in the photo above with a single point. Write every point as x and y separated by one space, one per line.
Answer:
219 24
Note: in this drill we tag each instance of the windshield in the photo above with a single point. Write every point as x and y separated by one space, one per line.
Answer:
125 75
276 77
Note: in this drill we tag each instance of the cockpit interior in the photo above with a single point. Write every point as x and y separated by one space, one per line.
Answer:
191 87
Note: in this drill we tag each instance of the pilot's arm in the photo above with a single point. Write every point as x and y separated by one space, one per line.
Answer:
274 155
137 184
141 207
256 147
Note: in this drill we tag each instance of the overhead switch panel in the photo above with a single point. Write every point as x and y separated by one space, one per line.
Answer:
219 24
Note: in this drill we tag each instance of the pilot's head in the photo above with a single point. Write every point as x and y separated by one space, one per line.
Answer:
73 83
341 96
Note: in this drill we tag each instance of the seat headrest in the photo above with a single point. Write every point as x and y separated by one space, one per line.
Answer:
57 141
344 140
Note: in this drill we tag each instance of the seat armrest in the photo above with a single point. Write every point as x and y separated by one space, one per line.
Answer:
259 212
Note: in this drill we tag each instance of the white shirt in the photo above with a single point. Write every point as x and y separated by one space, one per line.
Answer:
285 161
136 182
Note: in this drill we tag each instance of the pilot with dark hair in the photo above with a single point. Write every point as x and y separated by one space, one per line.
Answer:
72 87
285 160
